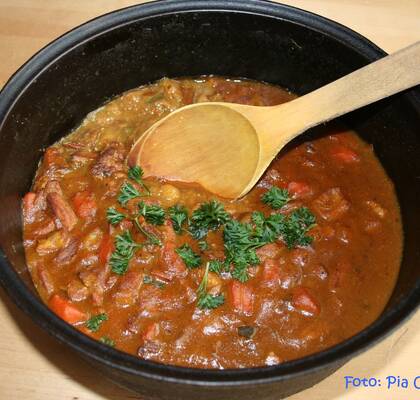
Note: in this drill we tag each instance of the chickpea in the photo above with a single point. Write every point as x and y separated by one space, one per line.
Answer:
213 281
169 194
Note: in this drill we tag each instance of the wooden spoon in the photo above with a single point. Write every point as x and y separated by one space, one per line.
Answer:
226 147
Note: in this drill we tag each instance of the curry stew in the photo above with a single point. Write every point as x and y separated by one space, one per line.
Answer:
168 272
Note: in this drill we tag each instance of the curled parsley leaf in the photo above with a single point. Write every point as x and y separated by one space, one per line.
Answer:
298 223
94 323
152 213
216 266
136 174
179 216
127 193
207 301
108 341
113 216
208 217
191 259
125 247
276 198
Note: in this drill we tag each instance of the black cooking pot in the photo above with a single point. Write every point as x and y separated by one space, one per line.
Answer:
81 70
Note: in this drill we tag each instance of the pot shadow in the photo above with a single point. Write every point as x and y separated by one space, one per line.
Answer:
63 358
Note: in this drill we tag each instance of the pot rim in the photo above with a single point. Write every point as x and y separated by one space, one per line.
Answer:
125 362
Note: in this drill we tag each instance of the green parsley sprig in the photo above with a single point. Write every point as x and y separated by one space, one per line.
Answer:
136 174
125 247
297 225
208 217
113 216
108 341
127 193
191 259
94 323
276 198
207 301
178 214
242 239
152 213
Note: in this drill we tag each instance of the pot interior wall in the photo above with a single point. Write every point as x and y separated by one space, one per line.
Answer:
190 44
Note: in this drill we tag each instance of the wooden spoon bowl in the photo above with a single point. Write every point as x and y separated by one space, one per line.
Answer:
226 147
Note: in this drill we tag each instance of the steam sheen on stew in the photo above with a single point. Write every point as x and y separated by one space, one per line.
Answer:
169 272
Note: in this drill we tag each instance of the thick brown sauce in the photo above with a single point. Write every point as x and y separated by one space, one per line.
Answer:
301 300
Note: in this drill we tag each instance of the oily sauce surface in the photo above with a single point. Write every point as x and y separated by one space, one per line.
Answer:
296 301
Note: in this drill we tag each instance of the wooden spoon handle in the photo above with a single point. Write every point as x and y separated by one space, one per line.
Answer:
378 80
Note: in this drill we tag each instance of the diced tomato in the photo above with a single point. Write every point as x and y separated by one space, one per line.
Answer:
271 272
84 204
344 154
151 331
66 310
303 300
299 189
242 298
105 248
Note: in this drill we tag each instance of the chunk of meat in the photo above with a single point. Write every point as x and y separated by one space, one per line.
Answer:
77 291
53 157
106 248
96 279
66 310
331 205
301 257
60 205
85 204
303 300
171 264
92 240
271 272
110 161
299 190
242 298
28 204
150 349
47 227
68 252
62 210
271 250
151 332
52 243
32 203
290 276
45 278
128 290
